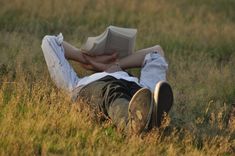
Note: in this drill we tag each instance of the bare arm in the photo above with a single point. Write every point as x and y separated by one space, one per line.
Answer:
75 54
134 60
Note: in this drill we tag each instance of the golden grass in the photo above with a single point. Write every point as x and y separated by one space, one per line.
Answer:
197 36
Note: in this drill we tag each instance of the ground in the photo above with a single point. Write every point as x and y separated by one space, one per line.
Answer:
199 42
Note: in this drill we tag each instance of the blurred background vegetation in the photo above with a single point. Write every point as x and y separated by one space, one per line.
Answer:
198 38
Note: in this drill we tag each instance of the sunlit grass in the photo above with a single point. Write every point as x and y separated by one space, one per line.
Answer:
198 38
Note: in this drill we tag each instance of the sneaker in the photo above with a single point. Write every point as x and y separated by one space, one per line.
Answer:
140 110
163 100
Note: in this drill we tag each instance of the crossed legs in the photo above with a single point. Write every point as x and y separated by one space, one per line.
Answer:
56 51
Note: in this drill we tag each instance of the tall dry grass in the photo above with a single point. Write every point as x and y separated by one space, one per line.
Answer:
198 38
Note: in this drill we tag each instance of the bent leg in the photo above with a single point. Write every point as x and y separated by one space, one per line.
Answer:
59 68
153 70
111 97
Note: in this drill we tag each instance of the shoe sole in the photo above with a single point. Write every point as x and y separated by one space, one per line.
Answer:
163 97
139 120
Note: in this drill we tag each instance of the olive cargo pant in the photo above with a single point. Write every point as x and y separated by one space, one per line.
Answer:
111 97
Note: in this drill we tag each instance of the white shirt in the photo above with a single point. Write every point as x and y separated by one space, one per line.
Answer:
118 75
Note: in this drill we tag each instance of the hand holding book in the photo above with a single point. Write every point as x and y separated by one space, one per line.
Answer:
95 62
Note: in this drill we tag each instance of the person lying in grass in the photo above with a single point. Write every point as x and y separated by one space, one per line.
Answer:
132 104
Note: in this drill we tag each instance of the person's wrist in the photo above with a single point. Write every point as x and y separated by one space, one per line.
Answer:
117 63
114 67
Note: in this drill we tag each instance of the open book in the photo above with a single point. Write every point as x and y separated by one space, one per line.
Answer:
113 39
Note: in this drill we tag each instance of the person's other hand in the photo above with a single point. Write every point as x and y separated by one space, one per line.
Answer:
105 58
92 64
100 66
113 68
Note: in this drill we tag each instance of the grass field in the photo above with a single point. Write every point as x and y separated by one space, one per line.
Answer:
199 41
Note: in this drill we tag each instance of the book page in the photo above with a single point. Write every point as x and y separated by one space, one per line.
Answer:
113 39
130 32
118 43
95 43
